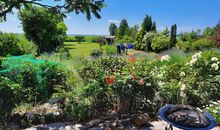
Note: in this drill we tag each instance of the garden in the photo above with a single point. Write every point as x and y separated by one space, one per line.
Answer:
48 76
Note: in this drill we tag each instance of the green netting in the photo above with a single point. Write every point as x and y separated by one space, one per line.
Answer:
15 65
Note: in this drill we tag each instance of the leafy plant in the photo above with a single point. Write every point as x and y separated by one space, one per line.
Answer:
80 39
44 28
96 53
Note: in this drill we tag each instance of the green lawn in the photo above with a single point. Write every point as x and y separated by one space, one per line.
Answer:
80 50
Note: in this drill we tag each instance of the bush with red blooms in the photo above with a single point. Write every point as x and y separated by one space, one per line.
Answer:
125 85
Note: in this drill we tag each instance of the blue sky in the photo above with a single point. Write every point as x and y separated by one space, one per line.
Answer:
187 14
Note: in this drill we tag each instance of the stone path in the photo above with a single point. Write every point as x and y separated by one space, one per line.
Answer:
157 125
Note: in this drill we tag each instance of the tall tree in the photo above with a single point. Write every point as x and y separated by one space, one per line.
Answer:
154 27
123 27
146 26
46 30
87 7
173 35
112 29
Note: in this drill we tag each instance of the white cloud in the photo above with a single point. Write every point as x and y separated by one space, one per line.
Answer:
68 17
113 21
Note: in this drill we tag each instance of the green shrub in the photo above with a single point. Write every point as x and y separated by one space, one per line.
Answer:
214 109
80 38
195 82
9 44
36 78
185 46
46 29
96 52
110 50
27 47
160 42
202 44
70 39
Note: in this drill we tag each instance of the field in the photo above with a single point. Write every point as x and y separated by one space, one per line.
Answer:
80 50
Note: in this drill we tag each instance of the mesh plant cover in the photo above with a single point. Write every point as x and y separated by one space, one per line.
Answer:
187 116
15 66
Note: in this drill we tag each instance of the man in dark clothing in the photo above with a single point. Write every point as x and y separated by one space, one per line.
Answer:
118 48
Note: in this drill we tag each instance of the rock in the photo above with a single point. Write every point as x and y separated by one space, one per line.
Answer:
93 122
142 119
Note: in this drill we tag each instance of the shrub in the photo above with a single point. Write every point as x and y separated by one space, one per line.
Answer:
115 84
27 47
185 46
36 78
214 109
80 39
9 44
70 39
160 42
110 50
194 83
43 27
96 52
202 44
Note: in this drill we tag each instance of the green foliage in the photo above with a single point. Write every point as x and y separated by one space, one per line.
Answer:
214 109
80 39
36 78
12 44
185 46
9 44
202 44
160 42
78 6
194 82
147 26
190 36
209 32
101 41
147 41
173 35
122 28
96 53
44 28
112 29
196 45
110 50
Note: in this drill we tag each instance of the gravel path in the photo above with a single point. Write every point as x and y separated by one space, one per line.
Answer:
158 125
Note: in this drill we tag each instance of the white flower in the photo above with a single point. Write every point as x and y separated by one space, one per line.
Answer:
148 84
182 74
195 57
165 58
218 62
214 59
215 66
183 87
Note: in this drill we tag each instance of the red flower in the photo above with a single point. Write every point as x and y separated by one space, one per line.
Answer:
110 80
131 59
134 77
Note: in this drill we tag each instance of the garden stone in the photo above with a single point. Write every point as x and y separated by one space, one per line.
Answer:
142 119
93 123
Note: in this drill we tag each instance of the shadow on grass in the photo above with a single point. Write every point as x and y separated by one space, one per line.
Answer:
69 44
70 47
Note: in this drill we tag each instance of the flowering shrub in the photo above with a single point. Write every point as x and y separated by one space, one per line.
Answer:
137 84
194 82
214 109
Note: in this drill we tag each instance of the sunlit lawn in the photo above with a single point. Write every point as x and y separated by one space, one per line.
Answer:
80 50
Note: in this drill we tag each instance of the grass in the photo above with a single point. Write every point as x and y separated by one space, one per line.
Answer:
80 50
87 38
